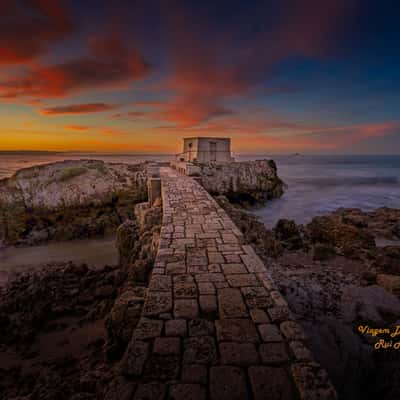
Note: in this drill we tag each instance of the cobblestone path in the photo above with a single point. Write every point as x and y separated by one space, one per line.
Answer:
213 325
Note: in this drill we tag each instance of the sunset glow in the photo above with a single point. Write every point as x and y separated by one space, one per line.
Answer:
277 77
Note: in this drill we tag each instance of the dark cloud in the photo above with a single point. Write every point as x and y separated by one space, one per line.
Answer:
29 27
78 109
111 63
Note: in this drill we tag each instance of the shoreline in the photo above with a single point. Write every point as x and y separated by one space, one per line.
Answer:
329 271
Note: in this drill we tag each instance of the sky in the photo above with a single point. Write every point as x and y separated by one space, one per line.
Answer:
277 76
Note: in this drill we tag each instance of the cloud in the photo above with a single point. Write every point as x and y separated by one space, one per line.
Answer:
29 27
186 113
112 131
213 64
129 115
79 128
111 63
78 109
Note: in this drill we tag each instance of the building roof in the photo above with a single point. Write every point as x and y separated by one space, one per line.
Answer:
207 138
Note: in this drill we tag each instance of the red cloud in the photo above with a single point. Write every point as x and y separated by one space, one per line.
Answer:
111 63
186 112
78 109
28 27
210 66
130 115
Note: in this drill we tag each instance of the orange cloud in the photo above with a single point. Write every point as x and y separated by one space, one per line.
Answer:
79 128
112 132
78 109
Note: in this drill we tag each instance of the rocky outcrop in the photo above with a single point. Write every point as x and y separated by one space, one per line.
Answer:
344 238
63 328
68 200
334 278
137 243
383 222
249 183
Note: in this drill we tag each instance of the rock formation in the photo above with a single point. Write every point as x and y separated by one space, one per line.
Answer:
68 200
64 328
249 183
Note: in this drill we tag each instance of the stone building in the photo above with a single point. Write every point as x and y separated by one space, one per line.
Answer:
206 149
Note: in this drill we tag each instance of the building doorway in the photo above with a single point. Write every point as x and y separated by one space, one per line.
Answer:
213 151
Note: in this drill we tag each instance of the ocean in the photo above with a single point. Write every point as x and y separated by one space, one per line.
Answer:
316 185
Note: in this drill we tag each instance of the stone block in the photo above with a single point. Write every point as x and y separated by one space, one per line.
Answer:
157 303
259 316
162 368
270 333
200 327
176 327
186 391
228 383
236 330
150 391
279 313
234 269
206 288
231 304
257 297
273 353
208 304
194 373
166 345
134 358
271 383
241 354
292 330
148 328
186 308
200 350
185 290
242 280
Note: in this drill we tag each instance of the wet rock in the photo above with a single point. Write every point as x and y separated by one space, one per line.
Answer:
122 320
389 282
127 242
287 232
371 303
387 260
347 239
323 252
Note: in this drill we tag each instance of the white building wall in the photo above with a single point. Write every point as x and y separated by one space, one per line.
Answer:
205 150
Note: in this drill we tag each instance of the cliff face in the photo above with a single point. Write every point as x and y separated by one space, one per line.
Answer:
68 199
248 183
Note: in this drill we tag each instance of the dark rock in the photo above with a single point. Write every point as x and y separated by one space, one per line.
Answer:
323 252
347 239
288 233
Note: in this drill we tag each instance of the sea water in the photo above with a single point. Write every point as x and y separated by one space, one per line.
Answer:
316 185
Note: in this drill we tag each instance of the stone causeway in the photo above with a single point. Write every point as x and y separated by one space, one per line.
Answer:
214 326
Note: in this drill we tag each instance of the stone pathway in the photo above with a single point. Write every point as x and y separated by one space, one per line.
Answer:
213 324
